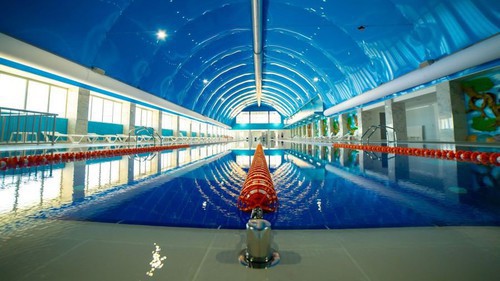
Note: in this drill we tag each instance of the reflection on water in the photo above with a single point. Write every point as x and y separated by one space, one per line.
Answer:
317 187
26 191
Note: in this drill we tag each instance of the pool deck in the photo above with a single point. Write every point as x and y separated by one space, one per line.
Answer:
69 250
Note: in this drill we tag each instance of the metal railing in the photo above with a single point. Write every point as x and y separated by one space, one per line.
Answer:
19 126
368 133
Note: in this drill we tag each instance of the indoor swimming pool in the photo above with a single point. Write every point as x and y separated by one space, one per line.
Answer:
343 214
318 187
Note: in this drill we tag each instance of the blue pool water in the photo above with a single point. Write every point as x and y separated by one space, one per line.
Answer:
317 187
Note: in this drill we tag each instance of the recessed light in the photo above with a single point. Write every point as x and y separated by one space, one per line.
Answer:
161 35
315 79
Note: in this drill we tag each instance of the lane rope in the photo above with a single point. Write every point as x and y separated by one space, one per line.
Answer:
485 158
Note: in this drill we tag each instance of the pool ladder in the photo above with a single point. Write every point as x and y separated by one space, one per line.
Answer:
368 133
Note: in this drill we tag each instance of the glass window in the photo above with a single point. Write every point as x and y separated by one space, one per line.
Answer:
243 118
95 109
38 96
117 112
167 121
21 93
184 124
259 117
107 112
274 117
195 127
203 129
12 91
143 117
57 102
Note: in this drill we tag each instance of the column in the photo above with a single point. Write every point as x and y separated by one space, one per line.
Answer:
343 124
128 117
78 120
395 117
176 125
370 118
159 122
452 119
322 128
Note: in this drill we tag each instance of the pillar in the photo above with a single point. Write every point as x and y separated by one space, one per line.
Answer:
368 119
395 117
78 120
158 122
127 113
176 119
343 124
452 119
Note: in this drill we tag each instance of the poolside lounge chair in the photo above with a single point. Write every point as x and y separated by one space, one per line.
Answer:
56 136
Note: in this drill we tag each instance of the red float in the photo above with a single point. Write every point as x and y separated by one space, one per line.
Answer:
484 158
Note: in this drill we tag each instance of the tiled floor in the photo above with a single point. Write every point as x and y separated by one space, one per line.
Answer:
65 250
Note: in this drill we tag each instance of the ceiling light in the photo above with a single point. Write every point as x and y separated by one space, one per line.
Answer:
315 79
161 35
205 81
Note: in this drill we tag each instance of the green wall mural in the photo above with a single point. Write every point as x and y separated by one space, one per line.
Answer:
352 123
483 107
335 125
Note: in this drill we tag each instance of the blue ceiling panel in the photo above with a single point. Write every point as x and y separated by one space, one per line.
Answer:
336 50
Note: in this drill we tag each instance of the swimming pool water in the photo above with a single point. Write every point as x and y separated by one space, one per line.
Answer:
317 187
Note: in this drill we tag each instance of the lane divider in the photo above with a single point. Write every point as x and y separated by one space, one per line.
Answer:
258 188
485 158
14 162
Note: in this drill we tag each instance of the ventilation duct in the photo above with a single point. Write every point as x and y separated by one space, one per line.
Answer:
257 46
480 53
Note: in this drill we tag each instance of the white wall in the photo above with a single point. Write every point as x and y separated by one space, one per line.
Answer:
424 117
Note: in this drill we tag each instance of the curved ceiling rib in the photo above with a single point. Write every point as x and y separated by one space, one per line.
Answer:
335 49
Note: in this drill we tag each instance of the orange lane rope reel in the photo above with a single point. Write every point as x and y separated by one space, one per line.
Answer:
258 188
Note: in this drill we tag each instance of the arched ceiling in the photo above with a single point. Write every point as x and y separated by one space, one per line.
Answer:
334 49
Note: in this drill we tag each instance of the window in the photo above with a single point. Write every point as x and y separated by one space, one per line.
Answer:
105 110
243 118
167 121
195 127
274 117
184 124
143 117
258 117
38 96
203 129
21 93
57 101
12 91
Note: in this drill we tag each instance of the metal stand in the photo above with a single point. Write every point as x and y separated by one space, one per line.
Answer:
259 253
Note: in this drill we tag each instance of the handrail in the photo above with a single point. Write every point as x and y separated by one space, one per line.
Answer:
370 131
21 126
